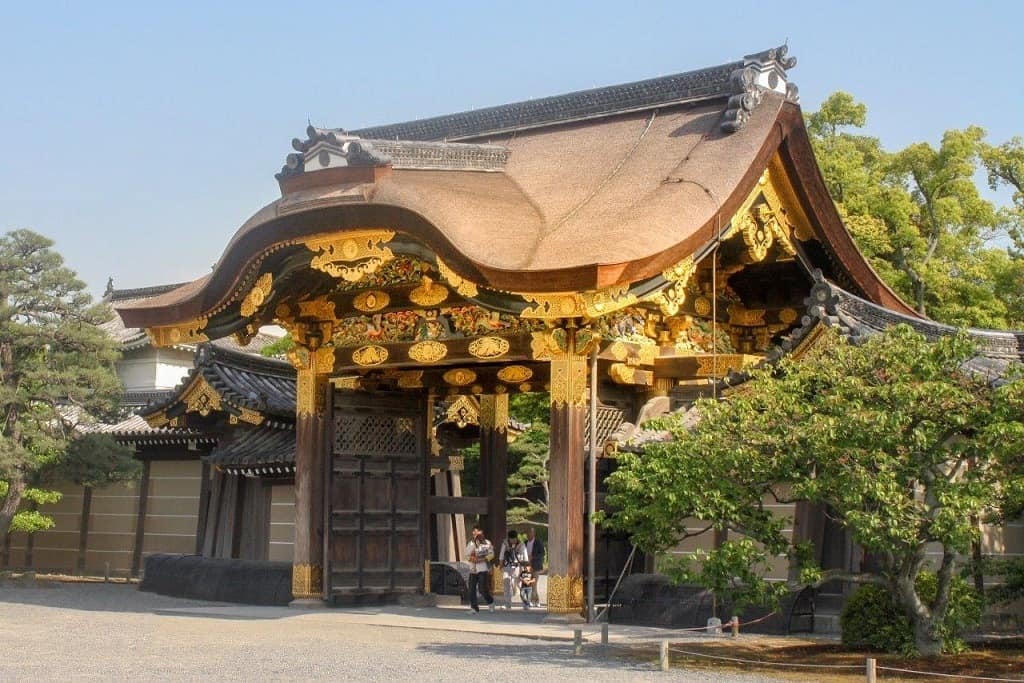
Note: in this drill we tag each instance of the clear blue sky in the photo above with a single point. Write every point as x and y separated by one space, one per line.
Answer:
141 135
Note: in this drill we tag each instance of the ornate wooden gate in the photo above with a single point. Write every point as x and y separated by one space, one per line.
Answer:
377 541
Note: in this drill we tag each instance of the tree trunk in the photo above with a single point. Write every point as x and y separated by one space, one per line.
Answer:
926 638
9 506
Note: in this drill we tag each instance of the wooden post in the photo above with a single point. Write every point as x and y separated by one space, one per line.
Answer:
735 627
83 528
577 642
494 452
204 508
311 428
566 483
663 655
870 670
140 520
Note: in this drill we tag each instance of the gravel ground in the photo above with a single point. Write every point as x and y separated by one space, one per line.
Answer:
110 632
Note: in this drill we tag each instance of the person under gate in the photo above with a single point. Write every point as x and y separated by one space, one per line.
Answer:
480 553
512 556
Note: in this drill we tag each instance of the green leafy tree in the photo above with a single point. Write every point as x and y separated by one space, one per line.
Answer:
1005 166
905 446
56 368
918 215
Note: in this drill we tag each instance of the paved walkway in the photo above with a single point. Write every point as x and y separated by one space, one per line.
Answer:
114 632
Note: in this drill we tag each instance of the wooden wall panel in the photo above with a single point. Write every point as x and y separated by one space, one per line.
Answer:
282 522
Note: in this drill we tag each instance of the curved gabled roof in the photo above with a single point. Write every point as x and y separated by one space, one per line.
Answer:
570 193
243 380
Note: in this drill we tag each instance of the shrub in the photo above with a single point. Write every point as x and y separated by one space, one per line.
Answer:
871 618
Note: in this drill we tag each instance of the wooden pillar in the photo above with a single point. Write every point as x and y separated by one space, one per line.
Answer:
204 508
83 528
140 521
494 463
312 423
568 354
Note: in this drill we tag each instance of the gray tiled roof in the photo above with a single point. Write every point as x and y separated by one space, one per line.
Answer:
262 449
575 106
266 385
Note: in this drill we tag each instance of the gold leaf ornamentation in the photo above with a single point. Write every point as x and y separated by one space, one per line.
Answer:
459 377
787 316
428 294
410 379
256 297
461 285
371 301
494 412
514 374
488 347
183 333
702 306
371 354
428 351
565 594
591 304
352 255
463 411
349 383
757 238
307 582
201 398
622 373
526 387
746 317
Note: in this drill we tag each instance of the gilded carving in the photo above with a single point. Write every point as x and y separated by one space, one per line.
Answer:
202 398
307 582
349 383
459 377
622 373
463 411
428 294
702 306
648 353
756 236
591 304
488 347
410 379
526 387
428 351
673 296
618 351
461 285
548 343
352 255
183 333
494 412
256 297
310 392
513 374
719 366
320 309
157 419
565 594
568 379
371 354
746 317
372 301
787 316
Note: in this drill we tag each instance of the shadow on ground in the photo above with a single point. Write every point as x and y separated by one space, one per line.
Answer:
554 654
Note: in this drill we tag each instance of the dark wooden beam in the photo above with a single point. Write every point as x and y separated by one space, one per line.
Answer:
204 507
140 520
83 528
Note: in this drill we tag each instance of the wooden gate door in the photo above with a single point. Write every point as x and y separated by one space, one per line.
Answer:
377 541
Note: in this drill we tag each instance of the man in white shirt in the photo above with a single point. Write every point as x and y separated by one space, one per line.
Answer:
512 555
479 553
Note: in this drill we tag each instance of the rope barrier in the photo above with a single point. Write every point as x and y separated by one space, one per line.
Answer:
755 662
960 676
858 667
